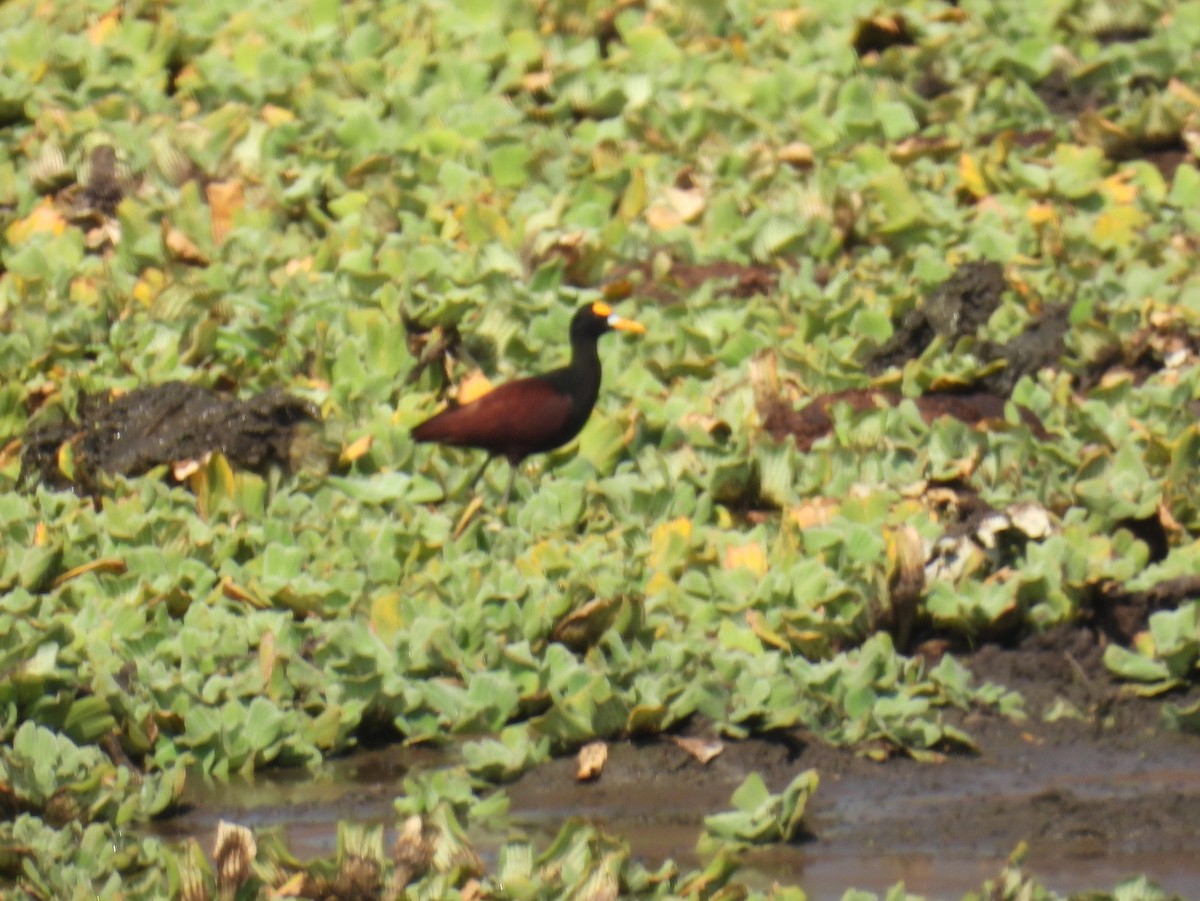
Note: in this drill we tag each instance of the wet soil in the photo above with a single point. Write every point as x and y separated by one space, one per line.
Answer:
1089 781
1087 106
1097 795
130 434
957 308
814 420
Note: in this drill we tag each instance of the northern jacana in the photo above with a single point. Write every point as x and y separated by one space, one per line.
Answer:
536 414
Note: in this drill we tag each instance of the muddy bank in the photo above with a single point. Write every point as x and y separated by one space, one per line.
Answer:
1098 795
130 434
1094 801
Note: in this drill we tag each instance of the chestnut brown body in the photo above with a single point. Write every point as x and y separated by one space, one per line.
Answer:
536 414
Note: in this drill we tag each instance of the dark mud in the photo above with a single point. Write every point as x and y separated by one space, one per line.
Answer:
132 433
1064 97
957 308
1098 794
877 33
1089 781
1085 107
814 420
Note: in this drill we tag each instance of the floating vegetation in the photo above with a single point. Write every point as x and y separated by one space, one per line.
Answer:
920 373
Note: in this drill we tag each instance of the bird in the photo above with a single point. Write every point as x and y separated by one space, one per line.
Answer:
536 414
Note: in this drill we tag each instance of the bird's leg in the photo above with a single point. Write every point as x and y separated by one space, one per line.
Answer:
478 474
512 477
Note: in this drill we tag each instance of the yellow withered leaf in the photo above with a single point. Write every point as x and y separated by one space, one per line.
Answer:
473 387
1042 214
746 556
42 218
1118 225
788 20
291 888
276 115
113 565
235 592
212 482
386 617
66 460
688 202
300 264
1118 189
184 469
666 537
1143 643
658 583
85 291
266 656
662 217
356 449
972 176
764 633
10 452
100 30
468 514
953 14
148 286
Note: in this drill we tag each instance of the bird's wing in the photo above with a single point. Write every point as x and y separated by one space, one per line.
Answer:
516 418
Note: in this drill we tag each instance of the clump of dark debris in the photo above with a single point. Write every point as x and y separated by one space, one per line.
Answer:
959 307
130 434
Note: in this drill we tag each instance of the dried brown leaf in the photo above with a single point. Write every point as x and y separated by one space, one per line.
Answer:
796 154
537 82
816 511
236 592
703 749
583 626
111 565
592 757
226 199
180 247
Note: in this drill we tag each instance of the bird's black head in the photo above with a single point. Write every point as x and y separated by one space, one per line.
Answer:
594 319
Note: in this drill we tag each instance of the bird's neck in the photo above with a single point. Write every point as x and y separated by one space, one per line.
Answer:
585 371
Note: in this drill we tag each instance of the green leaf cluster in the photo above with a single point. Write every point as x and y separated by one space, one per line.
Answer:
315 194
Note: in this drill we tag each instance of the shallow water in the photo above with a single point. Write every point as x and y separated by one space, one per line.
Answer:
1089 819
